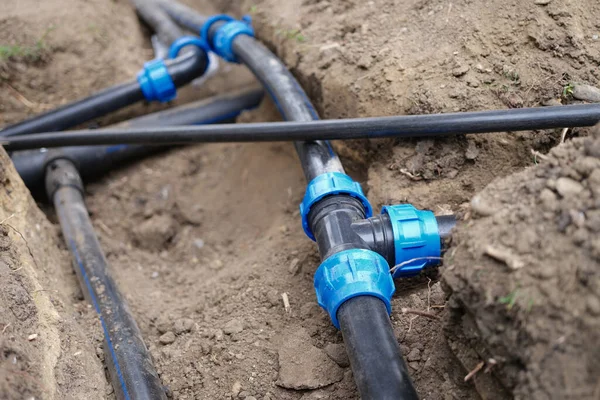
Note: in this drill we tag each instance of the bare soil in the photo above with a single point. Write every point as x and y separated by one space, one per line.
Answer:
523 273
204 240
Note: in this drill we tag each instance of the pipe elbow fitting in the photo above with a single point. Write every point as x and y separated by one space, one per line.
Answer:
417 241
352 273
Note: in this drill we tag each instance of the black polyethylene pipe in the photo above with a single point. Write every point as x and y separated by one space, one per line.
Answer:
445 225
160 22
80 111
183 70
92 161
330 218
405 126
129 363
379 370
317 157
183 15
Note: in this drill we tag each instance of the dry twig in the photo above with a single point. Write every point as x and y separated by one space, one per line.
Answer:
419 312
475 370
563 135
286 302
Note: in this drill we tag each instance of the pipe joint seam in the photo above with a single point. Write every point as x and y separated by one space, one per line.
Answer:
417 241
327 184
61 172
221 42
352 273
156 82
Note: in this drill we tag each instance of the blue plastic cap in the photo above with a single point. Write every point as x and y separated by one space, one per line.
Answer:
156 83
327 184
416 237
223 38
349 274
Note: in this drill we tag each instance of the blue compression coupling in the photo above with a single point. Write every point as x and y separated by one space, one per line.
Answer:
223 38
327 184
184 41
416 237
352 273
155 82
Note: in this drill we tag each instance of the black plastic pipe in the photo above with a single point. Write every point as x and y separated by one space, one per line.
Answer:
377 364
80 111
330 220
183 70
317 157
405 126
160 22
445 225
129 362
183 15
92 161
373 350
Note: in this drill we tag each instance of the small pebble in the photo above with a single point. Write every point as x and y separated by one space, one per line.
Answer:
183 325
460 70
542 2
235 389
31 337
294 266
568 187
233 326
414 355
167 338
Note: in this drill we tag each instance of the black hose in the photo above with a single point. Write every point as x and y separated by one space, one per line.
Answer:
377 366
80 111
160 22
317 157
332 229
91 161
409 126
183 70
446 224
129 362
183 15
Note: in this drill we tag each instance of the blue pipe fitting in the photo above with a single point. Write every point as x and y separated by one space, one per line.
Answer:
223 38
416 237
183 41
155 82
327 184
352 273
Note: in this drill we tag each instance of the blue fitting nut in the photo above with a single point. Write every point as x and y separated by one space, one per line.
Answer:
183 41
352 273
327 184
223 38
155 82
416 237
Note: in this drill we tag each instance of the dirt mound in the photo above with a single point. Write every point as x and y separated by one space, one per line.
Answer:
524 277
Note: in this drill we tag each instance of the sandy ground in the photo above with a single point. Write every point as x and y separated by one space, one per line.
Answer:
204 241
